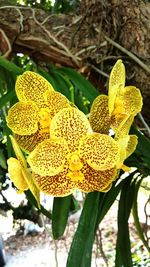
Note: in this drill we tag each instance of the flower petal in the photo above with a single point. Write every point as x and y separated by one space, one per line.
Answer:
15 171
123 143
23 118
99 115
29 142
55 102
48 157
132 100
32 86
121 125
58 186
132 143
70 124
100 151
116 82
18 152
96 180
127 146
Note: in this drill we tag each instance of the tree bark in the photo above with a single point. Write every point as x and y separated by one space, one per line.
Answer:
81 39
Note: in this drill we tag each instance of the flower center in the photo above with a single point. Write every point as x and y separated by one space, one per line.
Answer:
119 107
44 115
75 165
75 176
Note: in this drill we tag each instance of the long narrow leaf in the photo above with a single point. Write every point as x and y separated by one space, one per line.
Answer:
10 66
106 201
62 85
60 213
2 160
46 75
81 248
143 146
123 248
88 90
6 98
7 132
136 217
56 80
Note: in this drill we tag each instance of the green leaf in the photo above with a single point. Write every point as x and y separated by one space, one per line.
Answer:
57 80
106 201
46 75
6 98
81 247
60 213
7 86
88 90
123 247
10 66
136 217
143 146
61 84
7 132
2 81
2 160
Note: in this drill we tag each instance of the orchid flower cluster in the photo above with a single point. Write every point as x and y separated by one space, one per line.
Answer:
65 150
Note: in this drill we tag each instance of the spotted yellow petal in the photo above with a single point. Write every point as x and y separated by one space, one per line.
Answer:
70 124
96 180
132 143
32 86
132 100
58 186
99 115
116 82
48 157
29 142
122 126
127 146
107 188
23 118
19 173
123 143
18 152
16 175
100 151
55 102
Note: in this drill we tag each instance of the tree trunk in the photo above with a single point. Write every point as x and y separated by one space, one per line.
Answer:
83 39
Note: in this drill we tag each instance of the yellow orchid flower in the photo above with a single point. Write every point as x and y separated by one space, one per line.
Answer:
118 109
19 173
30 118
74 157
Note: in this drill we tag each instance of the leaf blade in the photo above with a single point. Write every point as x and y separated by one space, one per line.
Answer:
81 248
10 66
123 246
60 213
